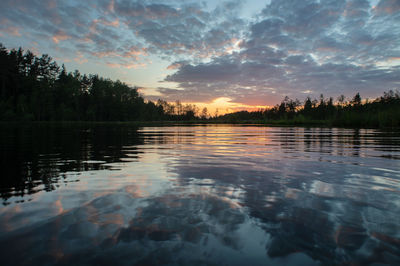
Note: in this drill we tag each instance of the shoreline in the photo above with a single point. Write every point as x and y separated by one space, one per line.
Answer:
277 123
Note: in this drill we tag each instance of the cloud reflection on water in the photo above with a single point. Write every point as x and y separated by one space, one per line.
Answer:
220 194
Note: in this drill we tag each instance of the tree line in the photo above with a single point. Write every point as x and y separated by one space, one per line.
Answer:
384 111
35 88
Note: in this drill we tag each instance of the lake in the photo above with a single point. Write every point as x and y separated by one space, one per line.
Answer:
194 195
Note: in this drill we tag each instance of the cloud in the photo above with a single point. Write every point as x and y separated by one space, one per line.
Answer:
302 46
177 65
184 30
80 59
60 36
288 48
10 30
173 30
126 65
387 7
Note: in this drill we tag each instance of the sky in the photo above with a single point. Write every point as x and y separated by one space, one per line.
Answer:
230 55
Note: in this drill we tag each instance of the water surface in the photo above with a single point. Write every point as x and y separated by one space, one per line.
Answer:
224 195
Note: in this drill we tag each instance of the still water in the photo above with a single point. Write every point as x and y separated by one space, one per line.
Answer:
195 195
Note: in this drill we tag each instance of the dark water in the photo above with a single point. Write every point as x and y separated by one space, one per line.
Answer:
223 195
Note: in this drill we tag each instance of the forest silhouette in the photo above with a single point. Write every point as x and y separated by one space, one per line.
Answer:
37 89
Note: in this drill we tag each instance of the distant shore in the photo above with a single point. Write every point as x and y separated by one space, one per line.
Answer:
273 123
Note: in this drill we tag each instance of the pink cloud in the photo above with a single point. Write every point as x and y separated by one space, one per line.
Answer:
175 65
135 52
126 65
114 23
111 6
14 31
60 36
387 7
80 59
105 54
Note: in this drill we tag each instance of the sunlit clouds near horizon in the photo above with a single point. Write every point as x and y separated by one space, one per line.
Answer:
232 54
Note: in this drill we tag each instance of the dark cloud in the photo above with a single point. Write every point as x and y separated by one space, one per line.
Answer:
181 30
306 47
304 19
212 72
106 28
